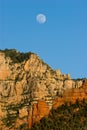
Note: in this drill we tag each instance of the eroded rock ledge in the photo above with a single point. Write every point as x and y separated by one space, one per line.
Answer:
29 88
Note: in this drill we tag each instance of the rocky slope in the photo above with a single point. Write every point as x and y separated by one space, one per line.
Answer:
29 88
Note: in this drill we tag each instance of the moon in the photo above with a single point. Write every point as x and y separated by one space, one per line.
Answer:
41 18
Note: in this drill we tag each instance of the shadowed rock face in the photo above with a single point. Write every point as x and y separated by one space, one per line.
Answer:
29 88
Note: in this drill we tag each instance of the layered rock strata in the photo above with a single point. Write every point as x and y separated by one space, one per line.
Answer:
30 88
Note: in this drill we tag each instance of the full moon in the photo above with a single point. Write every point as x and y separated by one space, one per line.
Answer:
41 18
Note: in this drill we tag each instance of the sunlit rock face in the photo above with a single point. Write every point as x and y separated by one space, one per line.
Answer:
29 89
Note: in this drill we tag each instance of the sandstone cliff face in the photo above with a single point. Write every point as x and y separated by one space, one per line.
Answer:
29 89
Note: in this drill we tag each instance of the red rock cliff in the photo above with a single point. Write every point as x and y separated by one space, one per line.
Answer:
29 88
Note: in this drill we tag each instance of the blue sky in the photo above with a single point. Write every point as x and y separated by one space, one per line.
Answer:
61 41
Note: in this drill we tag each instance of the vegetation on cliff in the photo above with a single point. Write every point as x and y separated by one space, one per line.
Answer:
29 89
68 116
16 56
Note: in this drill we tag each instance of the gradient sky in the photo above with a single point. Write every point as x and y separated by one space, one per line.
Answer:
61 41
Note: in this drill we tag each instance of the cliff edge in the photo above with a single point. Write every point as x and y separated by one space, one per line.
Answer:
29 89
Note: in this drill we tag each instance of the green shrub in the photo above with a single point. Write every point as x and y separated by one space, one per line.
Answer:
72 117
16 56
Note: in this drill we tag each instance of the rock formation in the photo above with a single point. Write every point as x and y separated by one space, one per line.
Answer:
29 88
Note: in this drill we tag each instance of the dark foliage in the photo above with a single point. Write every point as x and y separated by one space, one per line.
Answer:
66 117
16 56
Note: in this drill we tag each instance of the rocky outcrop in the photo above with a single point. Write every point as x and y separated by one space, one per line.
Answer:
29 88
39 110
